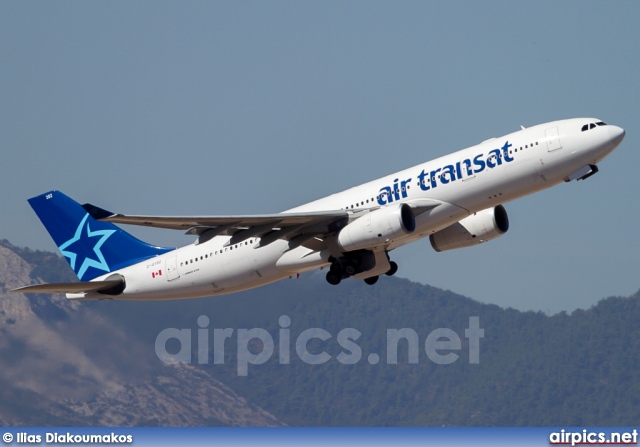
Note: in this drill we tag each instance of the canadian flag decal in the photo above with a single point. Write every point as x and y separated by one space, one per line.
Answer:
158 273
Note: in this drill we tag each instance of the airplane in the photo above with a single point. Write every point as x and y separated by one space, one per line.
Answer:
456 200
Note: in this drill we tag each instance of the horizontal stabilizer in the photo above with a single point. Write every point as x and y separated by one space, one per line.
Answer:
72 287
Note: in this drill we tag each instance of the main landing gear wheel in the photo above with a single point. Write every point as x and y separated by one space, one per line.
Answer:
334 278
394 268
371 281
350 267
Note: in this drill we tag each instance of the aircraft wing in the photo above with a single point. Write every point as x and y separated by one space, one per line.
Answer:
269 227
240 221
70 287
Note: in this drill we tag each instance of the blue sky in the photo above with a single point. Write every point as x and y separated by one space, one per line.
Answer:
255 107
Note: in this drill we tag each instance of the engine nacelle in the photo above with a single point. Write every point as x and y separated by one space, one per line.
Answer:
472 230
377 227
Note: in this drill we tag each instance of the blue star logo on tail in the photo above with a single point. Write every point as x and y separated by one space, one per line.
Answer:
82 238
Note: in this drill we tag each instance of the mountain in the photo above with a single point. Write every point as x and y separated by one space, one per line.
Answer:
63 363
97 361
533 370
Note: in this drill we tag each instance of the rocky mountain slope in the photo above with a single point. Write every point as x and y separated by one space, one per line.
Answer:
62 363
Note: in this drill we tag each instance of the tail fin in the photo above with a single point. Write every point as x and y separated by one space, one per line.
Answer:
91 247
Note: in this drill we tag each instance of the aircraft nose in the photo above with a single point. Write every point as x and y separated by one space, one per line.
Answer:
616 133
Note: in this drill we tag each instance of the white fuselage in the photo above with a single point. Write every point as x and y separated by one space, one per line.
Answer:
470 180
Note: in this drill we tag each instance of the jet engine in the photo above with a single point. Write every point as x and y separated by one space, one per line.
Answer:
472 230
377 227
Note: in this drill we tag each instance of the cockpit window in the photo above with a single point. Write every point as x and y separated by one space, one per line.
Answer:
593 125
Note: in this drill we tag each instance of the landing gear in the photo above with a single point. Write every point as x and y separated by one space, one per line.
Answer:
333 278
335 274
394 268
350 264
371 281
350 268
355 263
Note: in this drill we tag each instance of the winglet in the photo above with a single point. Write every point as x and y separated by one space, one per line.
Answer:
96 212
